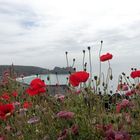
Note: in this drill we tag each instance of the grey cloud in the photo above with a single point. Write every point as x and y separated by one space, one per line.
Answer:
23 14
15 9
25 32
119 40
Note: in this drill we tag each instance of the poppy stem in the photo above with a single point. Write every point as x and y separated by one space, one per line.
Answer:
109 74
100 61
100 48
102 75
119 79
93 85
73 62
109 63
67 59
124 76
107 78
85 66
90 66
83 59
57 78
48 78
67 80
22 80
130 82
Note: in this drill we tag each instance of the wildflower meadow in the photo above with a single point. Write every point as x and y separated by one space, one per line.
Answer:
87 111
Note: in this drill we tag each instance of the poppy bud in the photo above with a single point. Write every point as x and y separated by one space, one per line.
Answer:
123 73
74 69
95 77
111 91
111 77
133 85
88 47
48 78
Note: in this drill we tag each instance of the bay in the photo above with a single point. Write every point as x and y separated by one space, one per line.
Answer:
54 79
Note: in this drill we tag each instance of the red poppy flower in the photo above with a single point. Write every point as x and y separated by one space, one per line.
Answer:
15 94
135 74
37 83
130 93
73 81
27 104
6 110
106 57
37 86
76 78
5 96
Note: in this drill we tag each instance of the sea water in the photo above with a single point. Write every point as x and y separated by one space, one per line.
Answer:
51 79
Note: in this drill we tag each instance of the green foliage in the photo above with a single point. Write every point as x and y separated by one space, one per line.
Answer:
89 111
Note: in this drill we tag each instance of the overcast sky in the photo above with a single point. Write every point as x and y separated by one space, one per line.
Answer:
38 32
